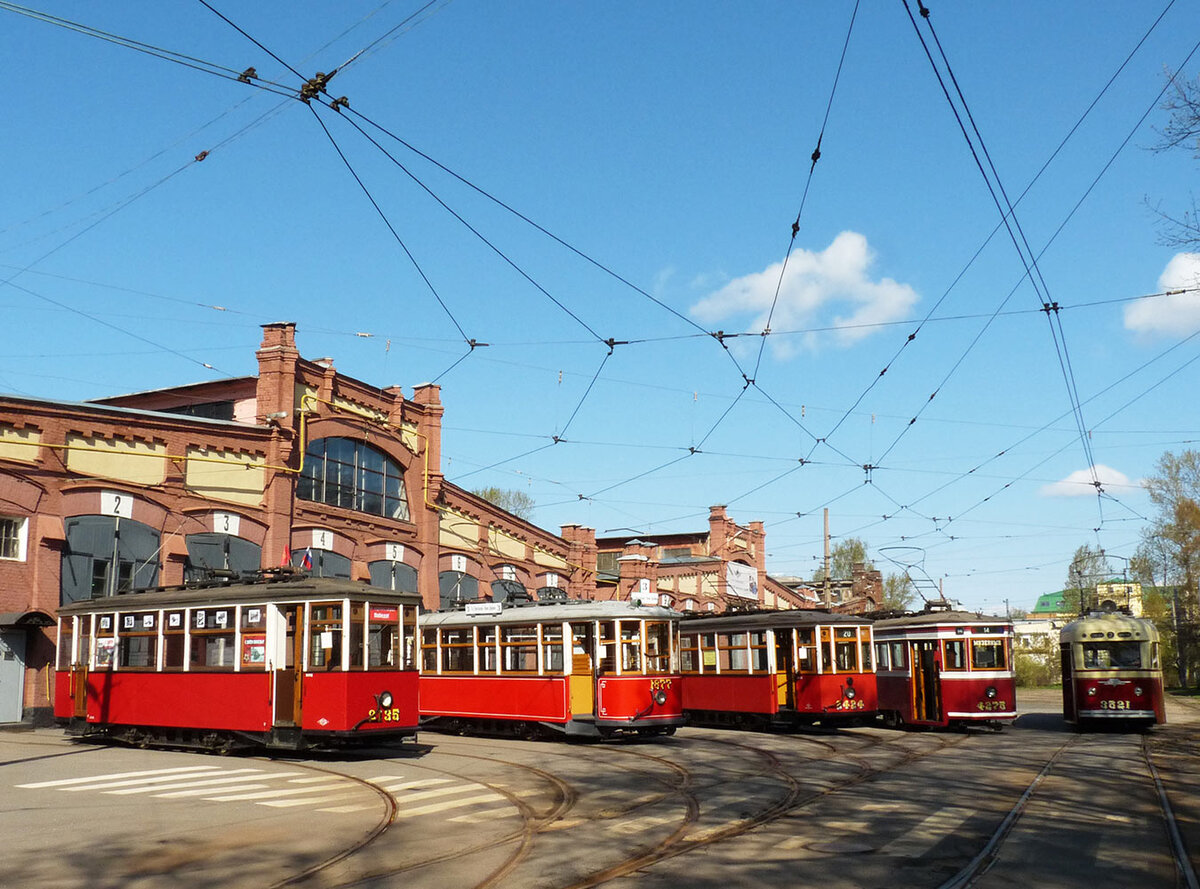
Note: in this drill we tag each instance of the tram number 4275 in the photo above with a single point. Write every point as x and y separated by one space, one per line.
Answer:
993 705
390 715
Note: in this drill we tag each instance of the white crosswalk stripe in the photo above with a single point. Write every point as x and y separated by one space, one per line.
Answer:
293 789
66 782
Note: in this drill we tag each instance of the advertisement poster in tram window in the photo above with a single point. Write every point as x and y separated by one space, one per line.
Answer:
105 649
254 649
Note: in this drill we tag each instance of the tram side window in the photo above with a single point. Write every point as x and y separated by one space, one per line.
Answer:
689 654
987 654
1154 665
866 655
429 659
383 638
806 650
731 652
487 649
173 638
408 624
458 649
658 647
357 616
518 647
325 637
846 650
955 655
899 655
106 643
138 645
1109 655
212 638
881 656
631 649
759 659
608 646
66 634
552 648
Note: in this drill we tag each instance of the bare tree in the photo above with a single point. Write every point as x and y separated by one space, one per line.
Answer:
518 503
1181 131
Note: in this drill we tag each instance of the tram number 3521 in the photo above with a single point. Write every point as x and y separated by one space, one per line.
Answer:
998 706
1114 705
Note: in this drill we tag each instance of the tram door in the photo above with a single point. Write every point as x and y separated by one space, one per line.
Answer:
289 676
1068 680
785 670
582 682
927 702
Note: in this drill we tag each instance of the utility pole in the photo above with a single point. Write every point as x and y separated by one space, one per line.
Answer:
826 580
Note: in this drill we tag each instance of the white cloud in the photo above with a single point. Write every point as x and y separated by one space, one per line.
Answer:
826 289
1171 315
1079 483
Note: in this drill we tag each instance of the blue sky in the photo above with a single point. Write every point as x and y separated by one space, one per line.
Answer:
663 151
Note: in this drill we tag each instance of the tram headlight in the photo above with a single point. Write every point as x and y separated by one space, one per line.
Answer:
385 700
991 692
660 697
850 694
1137 691
1092 692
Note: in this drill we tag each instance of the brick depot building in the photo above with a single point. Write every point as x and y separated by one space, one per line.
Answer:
295 464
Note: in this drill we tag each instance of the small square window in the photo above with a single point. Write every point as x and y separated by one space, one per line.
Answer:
12 537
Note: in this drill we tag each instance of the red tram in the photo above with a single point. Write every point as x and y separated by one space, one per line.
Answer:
777 669
281 661
941 668
1111 671
582 669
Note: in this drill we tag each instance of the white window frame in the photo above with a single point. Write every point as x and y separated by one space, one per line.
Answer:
22 538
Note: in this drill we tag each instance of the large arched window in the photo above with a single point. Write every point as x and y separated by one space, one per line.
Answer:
344 472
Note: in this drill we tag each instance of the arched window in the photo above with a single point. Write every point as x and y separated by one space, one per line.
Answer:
106 555
213 551
455 586
348 473
393 576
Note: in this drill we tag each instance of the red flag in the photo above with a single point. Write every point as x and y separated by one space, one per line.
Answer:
287 556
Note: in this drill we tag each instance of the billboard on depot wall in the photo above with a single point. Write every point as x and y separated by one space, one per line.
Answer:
741 580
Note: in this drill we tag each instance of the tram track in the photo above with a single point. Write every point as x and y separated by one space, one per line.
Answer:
989 854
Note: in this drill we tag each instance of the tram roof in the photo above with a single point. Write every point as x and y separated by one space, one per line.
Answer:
939 618
577 609
759 620
282 589
1109 625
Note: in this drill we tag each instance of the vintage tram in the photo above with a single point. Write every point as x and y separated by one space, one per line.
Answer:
277 661
942 667
777 669
568 668
1111 671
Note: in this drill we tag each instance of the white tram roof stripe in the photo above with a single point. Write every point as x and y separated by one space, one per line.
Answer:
444 806
68 781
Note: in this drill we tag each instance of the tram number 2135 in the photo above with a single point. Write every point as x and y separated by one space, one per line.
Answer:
390 715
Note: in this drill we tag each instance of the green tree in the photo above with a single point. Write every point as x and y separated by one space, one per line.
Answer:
843 556
516 502
1170 548
898 593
